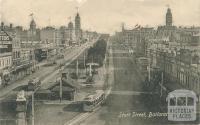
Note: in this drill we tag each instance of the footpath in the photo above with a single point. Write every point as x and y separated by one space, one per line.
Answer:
41 73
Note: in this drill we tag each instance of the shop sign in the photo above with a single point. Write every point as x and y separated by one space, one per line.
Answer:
4 36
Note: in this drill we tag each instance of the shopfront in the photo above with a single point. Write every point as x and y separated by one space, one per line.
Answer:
4 77
5 57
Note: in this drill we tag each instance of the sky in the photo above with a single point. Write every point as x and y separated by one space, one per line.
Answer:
100 15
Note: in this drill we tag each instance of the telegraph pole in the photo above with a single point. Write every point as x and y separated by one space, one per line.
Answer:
85 62
60 81
84 58
77 67
90 70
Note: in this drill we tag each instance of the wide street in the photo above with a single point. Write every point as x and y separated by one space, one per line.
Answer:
128 103
126 79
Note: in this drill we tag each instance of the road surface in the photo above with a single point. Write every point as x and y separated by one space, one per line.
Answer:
128 103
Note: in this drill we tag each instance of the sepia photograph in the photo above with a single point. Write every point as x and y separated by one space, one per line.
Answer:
99 62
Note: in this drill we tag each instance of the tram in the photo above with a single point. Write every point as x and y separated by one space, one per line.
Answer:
33 84
143 64
182 105
93 100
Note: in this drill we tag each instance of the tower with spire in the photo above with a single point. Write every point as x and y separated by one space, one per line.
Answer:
33 32
71 29
168 17
77 22
32 27
32 24
78 26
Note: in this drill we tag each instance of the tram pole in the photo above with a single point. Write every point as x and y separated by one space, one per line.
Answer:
33 112
84 59
161 91
60 89
85 62
77 68
149 69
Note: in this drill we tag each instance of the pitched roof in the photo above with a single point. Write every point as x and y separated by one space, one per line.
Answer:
64 88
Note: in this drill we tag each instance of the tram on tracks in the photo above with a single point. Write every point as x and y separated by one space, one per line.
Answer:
93 100
182 105
143 63
33 84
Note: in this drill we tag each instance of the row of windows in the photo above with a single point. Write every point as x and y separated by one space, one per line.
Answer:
96 101
4 62
16 54
181 101
185 79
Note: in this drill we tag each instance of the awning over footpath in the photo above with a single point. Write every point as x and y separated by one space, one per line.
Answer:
26 65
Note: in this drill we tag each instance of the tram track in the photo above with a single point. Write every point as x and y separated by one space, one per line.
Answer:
46 77
81 117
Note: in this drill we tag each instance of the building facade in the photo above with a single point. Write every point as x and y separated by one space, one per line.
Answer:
5 56
48 35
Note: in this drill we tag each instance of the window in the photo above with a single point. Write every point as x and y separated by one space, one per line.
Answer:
173 101
181 101
88 103
18 55
13 54
190 101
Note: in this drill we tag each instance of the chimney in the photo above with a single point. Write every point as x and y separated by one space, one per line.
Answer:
2 25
